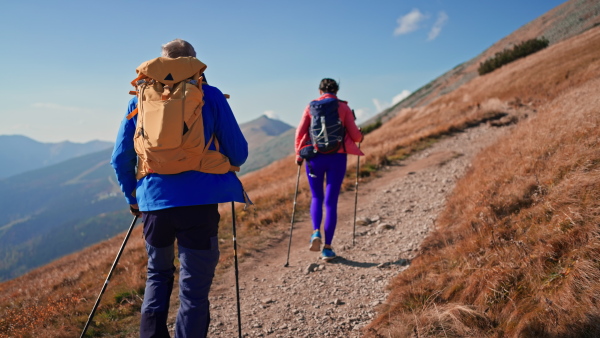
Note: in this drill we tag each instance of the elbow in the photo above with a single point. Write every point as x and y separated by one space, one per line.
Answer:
239 157
113 163
117 160
243 157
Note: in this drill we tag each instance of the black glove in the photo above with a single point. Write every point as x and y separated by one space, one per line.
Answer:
134 211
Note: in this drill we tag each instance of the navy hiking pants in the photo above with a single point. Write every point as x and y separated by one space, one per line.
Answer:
195 228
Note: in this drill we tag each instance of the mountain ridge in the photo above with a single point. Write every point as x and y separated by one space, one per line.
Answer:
261 130
268 140
25 154
39 205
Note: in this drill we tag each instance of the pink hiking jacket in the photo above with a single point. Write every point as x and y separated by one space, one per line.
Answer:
352 134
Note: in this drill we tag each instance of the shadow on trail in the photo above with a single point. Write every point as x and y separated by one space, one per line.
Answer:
344 261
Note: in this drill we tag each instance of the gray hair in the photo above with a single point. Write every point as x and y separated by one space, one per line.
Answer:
178 48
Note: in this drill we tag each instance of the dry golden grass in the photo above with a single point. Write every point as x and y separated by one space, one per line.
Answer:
516 253
55 300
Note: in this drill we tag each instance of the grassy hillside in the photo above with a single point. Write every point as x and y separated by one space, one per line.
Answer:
516 253
57 210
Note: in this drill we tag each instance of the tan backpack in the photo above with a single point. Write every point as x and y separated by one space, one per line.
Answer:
169 135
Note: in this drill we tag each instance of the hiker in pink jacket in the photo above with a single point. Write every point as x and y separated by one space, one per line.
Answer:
326 134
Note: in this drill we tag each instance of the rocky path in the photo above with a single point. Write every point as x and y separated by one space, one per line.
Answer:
311 298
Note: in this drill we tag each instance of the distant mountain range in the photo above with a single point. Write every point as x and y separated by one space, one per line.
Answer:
261 130
268 140
19 154
49 212
268 152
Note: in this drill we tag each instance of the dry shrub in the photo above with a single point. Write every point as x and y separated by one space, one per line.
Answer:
519 240
451 320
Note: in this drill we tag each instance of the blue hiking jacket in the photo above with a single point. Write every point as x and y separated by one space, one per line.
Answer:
155 191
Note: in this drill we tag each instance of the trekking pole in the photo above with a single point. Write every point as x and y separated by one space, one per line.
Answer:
108 277
237 284
287 262
355 196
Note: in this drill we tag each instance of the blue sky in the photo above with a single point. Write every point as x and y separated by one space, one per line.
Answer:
66 65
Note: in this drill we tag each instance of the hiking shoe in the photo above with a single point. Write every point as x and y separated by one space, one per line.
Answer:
315 241
327 254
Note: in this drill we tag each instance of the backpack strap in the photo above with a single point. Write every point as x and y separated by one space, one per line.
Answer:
134 82
310 169
344 139
132 114
344 132
216 142
214 139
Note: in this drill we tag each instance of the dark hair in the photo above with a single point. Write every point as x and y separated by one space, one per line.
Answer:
329 86
177 48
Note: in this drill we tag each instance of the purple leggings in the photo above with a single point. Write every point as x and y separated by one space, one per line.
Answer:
329 169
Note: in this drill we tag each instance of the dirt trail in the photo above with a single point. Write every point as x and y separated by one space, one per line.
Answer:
312 298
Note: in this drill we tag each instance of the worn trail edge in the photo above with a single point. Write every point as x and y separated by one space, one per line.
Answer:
311 298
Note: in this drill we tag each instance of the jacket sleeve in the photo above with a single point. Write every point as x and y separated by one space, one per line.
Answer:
302 130
124 158
349 123
232 142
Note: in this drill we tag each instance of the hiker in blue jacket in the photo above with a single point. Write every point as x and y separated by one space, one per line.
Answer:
184 207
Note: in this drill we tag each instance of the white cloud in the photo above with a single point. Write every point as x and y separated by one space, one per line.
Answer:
409 22
404 94
362 113
379 106
382 105
437 26
272 115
